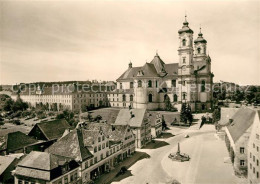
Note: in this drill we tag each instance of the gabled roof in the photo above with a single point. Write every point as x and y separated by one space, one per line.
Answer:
171 69
226 114
117 133
73 145
130 73
108 114
242 120
39 164
159 65
156 68
154 116
15 141
5 162
132 117
52 129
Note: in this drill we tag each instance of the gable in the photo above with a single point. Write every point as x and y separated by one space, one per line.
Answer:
50 130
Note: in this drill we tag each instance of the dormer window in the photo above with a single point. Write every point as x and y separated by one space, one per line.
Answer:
183 42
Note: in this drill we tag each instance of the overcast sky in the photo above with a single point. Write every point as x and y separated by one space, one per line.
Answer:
80 40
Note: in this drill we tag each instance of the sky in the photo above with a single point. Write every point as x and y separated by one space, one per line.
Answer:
86 40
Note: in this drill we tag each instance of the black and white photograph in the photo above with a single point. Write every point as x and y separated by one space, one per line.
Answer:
129 92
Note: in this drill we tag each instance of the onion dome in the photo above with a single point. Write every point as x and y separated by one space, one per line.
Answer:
185 28
200 38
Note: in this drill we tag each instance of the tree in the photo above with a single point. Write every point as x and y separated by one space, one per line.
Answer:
183 113
164 125
216 115
186 114
168 105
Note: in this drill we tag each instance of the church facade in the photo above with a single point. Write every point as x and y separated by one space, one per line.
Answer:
188 81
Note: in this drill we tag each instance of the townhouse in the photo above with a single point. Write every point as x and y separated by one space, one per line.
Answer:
253 156
94 150
139 122
41 167
237 137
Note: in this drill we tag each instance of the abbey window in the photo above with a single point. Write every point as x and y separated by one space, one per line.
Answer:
131 85
198 50
149 83
139 83
150 98
203 86
183 42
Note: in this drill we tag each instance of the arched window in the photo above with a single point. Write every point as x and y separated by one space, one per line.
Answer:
131 85
203 86
184 96
124 98
150 98
198 50
131 98
121 86
174 83
149 83
183 42
139 83
175 98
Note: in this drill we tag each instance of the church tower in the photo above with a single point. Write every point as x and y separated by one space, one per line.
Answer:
186 67
200 54
203 75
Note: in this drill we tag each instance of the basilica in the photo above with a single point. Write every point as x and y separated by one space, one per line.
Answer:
188 81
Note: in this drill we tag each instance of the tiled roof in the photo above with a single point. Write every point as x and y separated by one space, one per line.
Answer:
5 162
39 164
53 129
171 69
108 114
65 90
156 68
124 117
116 134
130 73
16 140
226 114
242 120
153 116
159 65
73 145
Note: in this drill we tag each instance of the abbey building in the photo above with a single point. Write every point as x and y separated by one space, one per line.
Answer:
190 80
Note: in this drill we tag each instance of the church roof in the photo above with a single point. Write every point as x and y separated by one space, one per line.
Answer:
159 65
156 68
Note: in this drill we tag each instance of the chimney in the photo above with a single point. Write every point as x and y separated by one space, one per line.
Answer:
131 114
130 65
231 121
